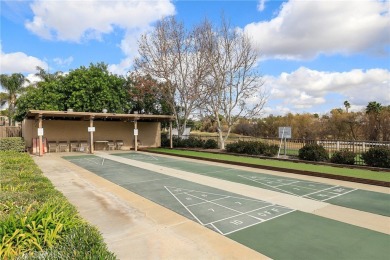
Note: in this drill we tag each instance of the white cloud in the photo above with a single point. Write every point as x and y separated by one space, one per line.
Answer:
63 62
305 89
83 20
304 29
261 5
18 62
75 21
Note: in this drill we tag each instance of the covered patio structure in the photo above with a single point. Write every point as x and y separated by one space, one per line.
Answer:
94 129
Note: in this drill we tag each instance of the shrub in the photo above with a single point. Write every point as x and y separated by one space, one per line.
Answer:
36 220
343 157
210 144
12 144
313 152
377 157
192 142
271 150
252 148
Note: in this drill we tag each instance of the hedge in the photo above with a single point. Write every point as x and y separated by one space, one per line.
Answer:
313 152
16 144
377 157
36 220
343 156
191 142
252 148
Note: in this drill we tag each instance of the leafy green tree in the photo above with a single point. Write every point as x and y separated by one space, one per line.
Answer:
13 85
84 89
94 88
44 96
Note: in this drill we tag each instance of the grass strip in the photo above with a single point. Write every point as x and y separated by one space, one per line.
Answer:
348 172
36 220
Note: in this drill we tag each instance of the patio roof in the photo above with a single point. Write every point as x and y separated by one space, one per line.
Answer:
70 115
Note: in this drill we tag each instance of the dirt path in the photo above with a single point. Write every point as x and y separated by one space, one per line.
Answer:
133 227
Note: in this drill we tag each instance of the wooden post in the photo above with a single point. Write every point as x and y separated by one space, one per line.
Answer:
135 136
170 135
40 136
91 148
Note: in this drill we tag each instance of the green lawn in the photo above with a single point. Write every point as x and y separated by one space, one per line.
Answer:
358 173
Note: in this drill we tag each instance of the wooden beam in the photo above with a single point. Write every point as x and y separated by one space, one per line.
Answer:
41 149
170 135
91 148
135 136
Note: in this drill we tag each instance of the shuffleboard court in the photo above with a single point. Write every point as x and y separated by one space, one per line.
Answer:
274 230
368 201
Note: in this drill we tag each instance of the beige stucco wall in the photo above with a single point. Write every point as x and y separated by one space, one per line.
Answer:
66 130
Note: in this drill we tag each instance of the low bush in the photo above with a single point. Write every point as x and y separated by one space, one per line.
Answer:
191 142
210 144
12 144
377 157
343 157
313 152
252 148
36 221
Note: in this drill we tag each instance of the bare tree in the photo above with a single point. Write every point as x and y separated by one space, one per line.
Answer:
174 56
234 87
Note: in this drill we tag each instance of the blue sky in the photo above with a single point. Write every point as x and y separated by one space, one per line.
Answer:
314 54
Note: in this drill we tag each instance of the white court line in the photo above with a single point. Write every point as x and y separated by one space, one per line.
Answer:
320 191
258 223
149 180
216 204
303 187
205 201
242 214
184 205
225 170
187 190
286 184
217 229
340 194
267 185
242 228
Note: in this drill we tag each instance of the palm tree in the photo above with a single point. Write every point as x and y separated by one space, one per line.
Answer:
13 85
373 111
373 107
347 105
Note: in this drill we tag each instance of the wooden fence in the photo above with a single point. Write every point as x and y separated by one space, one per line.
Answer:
10 131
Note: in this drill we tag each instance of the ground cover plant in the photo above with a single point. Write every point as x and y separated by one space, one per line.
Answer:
12 144
36 221
358 173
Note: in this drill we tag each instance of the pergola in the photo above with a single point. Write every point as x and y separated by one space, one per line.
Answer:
42 115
